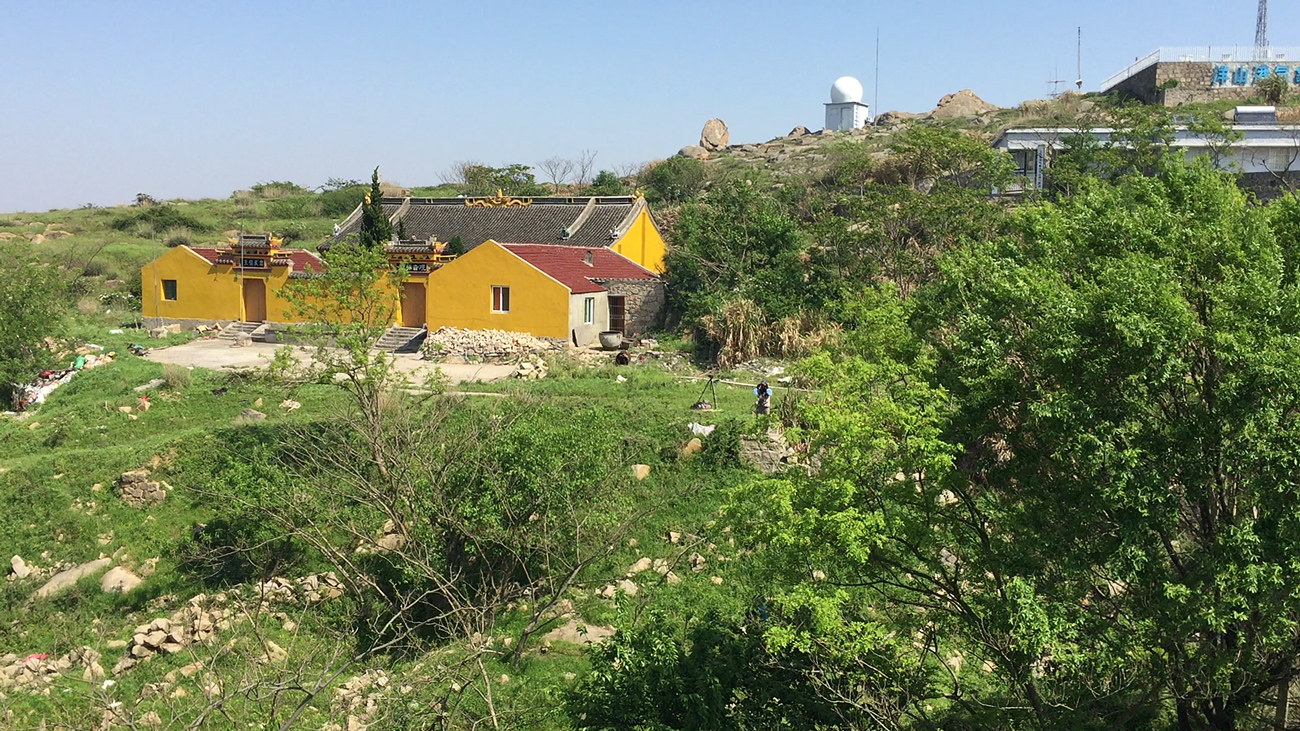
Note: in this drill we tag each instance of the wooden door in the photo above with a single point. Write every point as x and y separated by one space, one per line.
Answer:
413 304
618 314
254 300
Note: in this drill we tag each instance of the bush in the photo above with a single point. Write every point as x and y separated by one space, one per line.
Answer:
175 376
157 218
296 207
674 180
177 236
278 189
291 232
341 202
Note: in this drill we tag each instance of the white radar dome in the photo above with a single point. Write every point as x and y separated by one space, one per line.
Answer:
846 89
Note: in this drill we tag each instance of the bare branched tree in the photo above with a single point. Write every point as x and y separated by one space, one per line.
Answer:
557 170
584 167
459 172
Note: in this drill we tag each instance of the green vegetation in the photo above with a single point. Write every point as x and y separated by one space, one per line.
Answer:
1040 474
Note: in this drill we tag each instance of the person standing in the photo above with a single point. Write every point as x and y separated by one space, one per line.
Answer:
764 403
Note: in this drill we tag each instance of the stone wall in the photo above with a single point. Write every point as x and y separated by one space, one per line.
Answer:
1194 79
645 302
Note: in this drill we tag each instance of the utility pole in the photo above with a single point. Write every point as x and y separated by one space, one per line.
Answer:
1261 31
1078 60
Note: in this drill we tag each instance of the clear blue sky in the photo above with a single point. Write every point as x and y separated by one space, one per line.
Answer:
104 99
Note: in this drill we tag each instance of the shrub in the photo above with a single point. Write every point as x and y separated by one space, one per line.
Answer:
177 236
296 207
94 268
157 218
341 202
295 231
674 180
278 189
175 376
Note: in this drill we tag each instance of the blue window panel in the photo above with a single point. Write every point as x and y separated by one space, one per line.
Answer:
1240 76
1220 75
1296 79
1282 70
1262 71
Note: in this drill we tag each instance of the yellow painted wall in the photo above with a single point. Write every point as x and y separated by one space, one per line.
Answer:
206 291
643 244
460 295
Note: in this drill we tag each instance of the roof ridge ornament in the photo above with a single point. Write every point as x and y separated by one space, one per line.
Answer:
500 200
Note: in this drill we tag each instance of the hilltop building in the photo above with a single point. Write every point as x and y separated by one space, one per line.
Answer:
845 111
1267 155
569 269
620 223
1173 76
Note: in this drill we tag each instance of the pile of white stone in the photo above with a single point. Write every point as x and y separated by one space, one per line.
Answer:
311 589
169 635
482 344
33 672
531 369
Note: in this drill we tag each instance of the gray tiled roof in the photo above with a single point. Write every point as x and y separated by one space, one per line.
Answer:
544 221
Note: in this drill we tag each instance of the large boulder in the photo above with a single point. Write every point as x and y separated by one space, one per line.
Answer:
963 103
118 580
694 151
715 136
65 579
896 117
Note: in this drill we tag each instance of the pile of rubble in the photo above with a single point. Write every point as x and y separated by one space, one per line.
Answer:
34 672
138 491
358 697
482 344
311 589
532 370
169 635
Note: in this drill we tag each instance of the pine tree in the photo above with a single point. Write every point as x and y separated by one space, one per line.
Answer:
376 229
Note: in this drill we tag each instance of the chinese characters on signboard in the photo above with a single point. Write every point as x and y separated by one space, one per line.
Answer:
253 263
1247 75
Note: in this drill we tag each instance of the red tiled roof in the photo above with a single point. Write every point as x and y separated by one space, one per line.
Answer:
567 265
301 258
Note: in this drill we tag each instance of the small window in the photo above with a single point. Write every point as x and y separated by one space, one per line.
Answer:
169 290
500 299
589 310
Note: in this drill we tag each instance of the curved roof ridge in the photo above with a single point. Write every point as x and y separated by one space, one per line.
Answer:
572 228
617 232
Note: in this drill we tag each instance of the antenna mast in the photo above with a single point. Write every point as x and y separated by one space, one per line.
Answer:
1261 31
875 103
1078 60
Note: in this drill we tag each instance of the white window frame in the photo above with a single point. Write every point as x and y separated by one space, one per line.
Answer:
589 311
501 293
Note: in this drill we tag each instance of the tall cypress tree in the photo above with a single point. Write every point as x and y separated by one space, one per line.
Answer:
376 229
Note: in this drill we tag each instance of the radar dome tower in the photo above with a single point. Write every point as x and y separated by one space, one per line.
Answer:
846 110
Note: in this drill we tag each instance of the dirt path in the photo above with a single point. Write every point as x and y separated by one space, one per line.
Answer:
219 355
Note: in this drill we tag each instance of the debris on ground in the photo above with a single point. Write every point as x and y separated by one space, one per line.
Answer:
701 430
43 385
533 370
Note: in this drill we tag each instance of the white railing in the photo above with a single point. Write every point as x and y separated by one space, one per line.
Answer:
1205 54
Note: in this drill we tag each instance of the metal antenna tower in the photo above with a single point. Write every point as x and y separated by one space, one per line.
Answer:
1078 60
1261 30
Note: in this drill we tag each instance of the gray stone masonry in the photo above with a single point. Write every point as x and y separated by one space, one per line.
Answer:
1194 79
645 300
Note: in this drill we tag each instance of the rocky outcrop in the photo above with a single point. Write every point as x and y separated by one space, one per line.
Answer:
715 135
963 103
694 152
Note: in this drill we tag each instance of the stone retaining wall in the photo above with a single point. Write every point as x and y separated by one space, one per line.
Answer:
644 298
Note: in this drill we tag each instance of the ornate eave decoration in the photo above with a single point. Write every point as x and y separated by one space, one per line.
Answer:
500 200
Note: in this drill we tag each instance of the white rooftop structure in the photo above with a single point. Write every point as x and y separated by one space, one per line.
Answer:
846 110
1265 148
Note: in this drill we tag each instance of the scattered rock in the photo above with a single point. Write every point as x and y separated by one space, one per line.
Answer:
672 579
242 340
20 567
155 383
290 405
642 564
715 580
248 416
674 537
896 117
640 471
715 135
532 370
692 447
799 131
158 332
579 634
118 580
694 151
629 587
65 579
55 235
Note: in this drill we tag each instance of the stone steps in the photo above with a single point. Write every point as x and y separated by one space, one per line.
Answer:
235 328
402 339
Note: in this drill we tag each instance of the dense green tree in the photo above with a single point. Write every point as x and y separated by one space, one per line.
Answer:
606 183
515 179
33 295
1076 498
376 229
674 180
